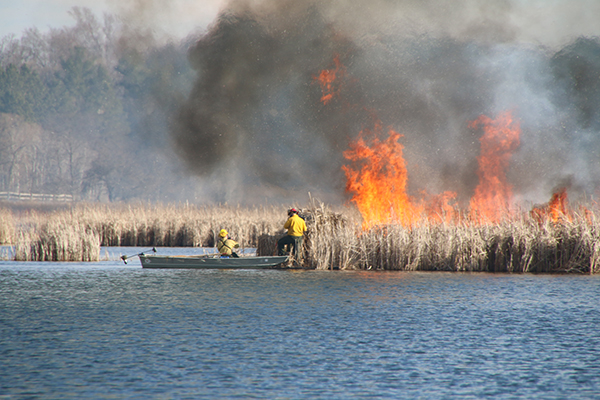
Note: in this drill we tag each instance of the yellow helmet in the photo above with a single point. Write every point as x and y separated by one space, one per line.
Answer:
223 233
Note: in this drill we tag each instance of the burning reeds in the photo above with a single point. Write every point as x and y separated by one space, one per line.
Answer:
335 240
518 245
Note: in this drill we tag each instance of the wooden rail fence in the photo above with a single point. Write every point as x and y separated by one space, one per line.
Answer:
14 196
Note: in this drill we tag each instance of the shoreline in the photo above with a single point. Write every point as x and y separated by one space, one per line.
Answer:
335 239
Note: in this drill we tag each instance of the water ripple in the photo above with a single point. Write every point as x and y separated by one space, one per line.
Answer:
74 331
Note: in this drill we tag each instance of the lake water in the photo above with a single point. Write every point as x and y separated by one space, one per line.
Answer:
110 330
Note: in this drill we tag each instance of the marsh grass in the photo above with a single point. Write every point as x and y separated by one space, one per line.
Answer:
58 241
70 235
335 238
517 245
7 227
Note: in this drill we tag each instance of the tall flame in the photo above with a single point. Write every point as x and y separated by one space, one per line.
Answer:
492 199
377 175
378 179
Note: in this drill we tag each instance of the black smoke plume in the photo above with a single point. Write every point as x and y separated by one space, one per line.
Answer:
255 126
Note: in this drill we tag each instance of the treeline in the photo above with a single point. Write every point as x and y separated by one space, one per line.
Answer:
84 110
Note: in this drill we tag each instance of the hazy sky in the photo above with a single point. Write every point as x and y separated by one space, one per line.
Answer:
175 17
549 21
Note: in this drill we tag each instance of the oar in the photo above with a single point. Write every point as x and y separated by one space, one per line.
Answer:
125 258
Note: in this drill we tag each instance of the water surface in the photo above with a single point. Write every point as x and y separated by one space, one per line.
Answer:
109 330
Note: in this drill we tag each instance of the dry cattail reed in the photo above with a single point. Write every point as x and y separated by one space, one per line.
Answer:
58 239
136 225
515 245
7 227
335 239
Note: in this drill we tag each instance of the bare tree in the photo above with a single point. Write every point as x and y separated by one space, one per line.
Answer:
19 144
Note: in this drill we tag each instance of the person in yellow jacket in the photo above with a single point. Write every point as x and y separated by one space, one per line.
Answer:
296 228
226 245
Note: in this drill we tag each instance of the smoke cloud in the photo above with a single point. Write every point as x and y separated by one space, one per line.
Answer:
255 128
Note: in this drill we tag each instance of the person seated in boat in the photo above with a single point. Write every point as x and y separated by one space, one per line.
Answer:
296 228
225 245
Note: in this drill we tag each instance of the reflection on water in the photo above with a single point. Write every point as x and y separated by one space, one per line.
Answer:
106 329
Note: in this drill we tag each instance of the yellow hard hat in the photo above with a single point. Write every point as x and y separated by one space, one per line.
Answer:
223 233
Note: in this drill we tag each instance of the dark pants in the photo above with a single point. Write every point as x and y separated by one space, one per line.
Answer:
294 243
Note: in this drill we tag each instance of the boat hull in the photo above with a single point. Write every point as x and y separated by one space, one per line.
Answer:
204 262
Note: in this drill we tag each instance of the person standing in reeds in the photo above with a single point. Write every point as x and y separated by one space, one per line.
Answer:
296 228
226 245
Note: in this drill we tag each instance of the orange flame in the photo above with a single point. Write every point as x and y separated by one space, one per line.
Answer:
327 78
438 208
379 178
557 209
493 196
558 205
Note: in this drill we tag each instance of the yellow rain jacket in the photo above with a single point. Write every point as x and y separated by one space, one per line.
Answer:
226 246
295 226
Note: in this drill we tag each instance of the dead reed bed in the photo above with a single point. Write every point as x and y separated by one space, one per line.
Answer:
179 226
61 238
329 241
7 227
518 245
53 235
335 239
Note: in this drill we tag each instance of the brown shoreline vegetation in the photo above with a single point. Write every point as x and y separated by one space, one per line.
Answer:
334 240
